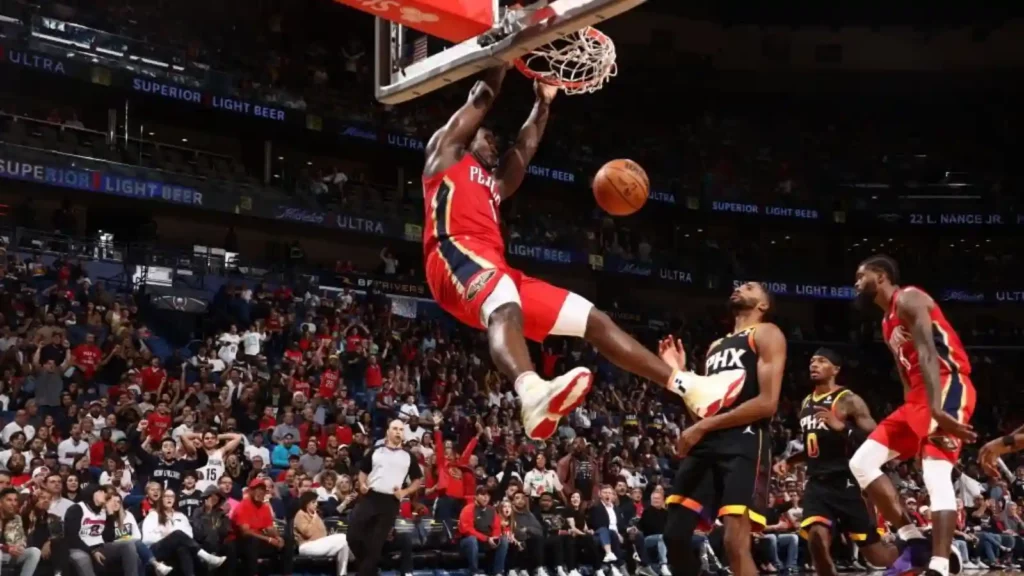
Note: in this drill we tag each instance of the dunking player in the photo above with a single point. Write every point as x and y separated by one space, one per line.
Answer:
465 181
933 421
727 457
834 421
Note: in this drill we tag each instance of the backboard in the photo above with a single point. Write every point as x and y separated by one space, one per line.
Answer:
405 68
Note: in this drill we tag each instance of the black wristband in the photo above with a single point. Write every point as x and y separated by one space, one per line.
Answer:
1009 440
856 435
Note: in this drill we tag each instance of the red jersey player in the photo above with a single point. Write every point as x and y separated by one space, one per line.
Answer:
464 183
931 424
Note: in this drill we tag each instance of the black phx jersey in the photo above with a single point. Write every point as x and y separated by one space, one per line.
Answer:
726 472
831 496
730 353
828 452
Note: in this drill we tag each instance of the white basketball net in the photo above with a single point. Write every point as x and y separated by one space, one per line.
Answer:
579 63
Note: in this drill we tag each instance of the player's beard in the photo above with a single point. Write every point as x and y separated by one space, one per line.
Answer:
865 300
737 305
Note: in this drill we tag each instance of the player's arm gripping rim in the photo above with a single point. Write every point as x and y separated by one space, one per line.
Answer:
462 126
512 167
771 363
913 308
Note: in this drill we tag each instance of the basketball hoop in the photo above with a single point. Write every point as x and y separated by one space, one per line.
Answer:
578 63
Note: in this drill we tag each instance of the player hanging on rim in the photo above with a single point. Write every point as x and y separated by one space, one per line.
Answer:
931 424
834 421
727 457
464 182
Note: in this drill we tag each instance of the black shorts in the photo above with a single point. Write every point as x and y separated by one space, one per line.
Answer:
836 502
727 478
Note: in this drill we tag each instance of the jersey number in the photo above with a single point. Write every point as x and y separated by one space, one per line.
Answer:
211 475
812 445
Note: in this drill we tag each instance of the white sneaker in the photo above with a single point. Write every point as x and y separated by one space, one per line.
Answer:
561 571
574 572
616 571
162 569
665 571
599 572
211 560
542 572
610 558
544 403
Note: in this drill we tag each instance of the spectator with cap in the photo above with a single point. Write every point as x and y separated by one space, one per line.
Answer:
211 525
479 530
254 533
279 457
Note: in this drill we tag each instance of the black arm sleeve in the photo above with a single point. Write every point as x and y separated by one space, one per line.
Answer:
146 460
856 436
415 472
199 461
366 464
72 526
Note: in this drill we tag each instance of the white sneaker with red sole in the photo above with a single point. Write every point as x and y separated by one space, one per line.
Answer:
544 402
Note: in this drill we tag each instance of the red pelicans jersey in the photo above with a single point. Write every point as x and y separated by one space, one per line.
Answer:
461 206
953 360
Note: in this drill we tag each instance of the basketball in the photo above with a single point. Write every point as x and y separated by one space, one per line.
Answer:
621 187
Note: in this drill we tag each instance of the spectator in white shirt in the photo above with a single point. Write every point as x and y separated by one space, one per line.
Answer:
540 480
229 345
257 449
251 340
73 447
409 410
17 446
20 424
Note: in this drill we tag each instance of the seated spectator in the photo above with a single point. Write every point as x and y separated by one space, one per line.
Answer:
43 531
280 457
311 534
89 552
607 522
480 530
529 554
779 541
651 527
14 545
254 531
556 533
211 525
59 505
169 535
122 526
150 502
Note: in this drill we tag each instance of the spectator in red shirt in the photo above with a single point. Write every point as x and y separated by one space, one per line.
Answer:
87 356
480 530
253 529
452 473
153 376
159 422
374 377
329 379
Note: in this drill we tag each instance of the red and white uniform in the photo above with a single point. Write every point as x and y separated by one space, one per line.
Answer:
464 253
910 430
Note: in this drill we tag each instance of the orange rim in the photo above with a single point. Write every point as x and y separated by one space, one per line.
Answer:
534 75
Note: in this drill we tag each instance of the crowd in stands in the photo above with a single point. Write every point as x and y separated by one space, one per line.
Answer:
242 451
123 452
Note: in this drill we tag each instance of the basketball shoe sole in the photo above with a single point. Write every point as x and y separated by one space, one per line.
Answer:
545 402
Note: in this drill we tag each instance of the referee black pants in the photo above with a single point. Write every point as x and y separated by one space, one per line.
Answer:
369 526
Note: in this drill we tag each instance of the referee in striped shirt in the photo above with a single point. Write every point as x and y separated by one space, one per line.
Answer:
381 476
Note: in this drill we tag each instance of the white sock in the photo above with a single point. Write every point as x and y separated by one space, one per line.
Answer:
940 565
909 532
522 379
